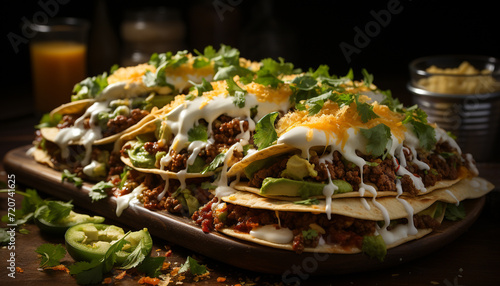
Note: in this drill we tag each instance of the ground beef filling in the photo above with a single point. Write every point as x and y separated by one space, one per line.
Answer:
381 173
224 131
113 126
346 232
154 187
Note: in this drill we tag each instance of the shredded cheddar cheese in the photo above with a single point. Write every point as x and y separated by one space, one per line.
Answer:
130 74
269 94
335 121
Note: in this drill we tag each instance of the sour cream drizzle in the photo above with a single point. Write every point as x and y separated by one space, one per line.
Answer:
304 139
182 118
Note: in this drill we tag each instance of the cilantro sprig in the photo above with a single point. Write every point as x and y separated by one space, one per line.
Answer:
71 178
377 138
265 134
424 132
193 267
51 254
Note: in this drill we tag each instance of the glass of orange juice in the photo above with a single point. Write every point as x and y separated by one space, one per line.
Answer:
58 60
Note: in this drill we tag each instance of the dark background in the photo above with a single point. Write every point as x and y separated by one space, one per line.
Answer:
307 33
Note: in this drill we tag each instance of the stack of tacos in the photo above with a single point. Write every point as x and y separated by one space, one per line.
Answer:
80 136
194 136
263 152
343 172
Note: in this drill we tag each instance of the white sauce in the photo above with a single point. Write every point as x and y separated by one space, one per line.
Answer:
124 201
273 234
457 202
89 169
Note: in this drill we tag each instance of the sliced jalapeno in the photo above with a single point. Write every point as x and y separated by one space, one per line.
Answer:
60 226
89 241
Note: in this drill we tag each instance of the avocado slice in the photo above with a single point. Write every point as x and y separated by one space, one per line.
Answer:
303 189
297 168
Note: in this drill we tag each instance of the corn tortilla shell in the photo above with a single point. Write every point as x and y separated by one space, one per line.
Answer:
469 188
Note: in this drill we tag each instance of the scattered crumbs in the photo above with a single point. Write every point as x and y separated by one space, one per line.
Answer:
165 265
175 271
59 267
221 279
121 275
149 281
434 283
19 270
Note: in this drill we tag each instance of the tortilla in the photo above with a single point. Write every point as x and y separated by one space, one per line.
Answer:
469 188
280 149
325 248
50 133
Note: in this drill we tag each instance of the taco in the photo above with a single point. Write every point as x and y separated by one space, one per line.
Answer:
105 107
349 225
342 144
209 127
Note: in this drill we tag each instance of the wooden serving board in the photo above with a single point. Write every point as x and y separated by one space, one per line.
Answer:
182 231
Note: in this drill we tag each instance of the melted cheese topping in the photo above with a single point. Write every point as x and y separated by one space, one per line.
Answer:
335 121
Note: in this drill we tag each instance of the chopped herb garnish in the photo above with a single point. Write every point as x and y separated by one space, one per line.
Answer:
377 139
51 254
265 134
72 178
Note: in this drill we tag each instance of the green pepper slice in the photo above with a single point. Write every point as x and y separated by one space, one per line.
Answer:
90 241
60 226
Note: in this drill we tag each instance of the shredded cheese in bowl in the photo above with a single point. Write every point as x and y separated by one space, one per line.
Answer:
465 79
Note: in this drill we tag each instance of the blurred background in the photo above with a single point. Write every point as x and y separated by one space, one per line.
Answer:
381 36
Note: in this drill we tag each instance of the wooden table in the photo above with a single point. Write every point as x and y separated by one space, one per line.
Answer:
472 259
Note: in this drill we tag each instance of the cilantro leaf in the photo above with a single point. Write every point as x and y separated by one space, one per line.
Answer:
202 87
90 87
51 254
393 103
217 161
316 103
237 92
135 257
87 272
304 87
49 121
151 266
57 210
72 178
193 266
265 134
365 110
198 133
367 78
98 191
29 205
454 212
424 132
377 138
